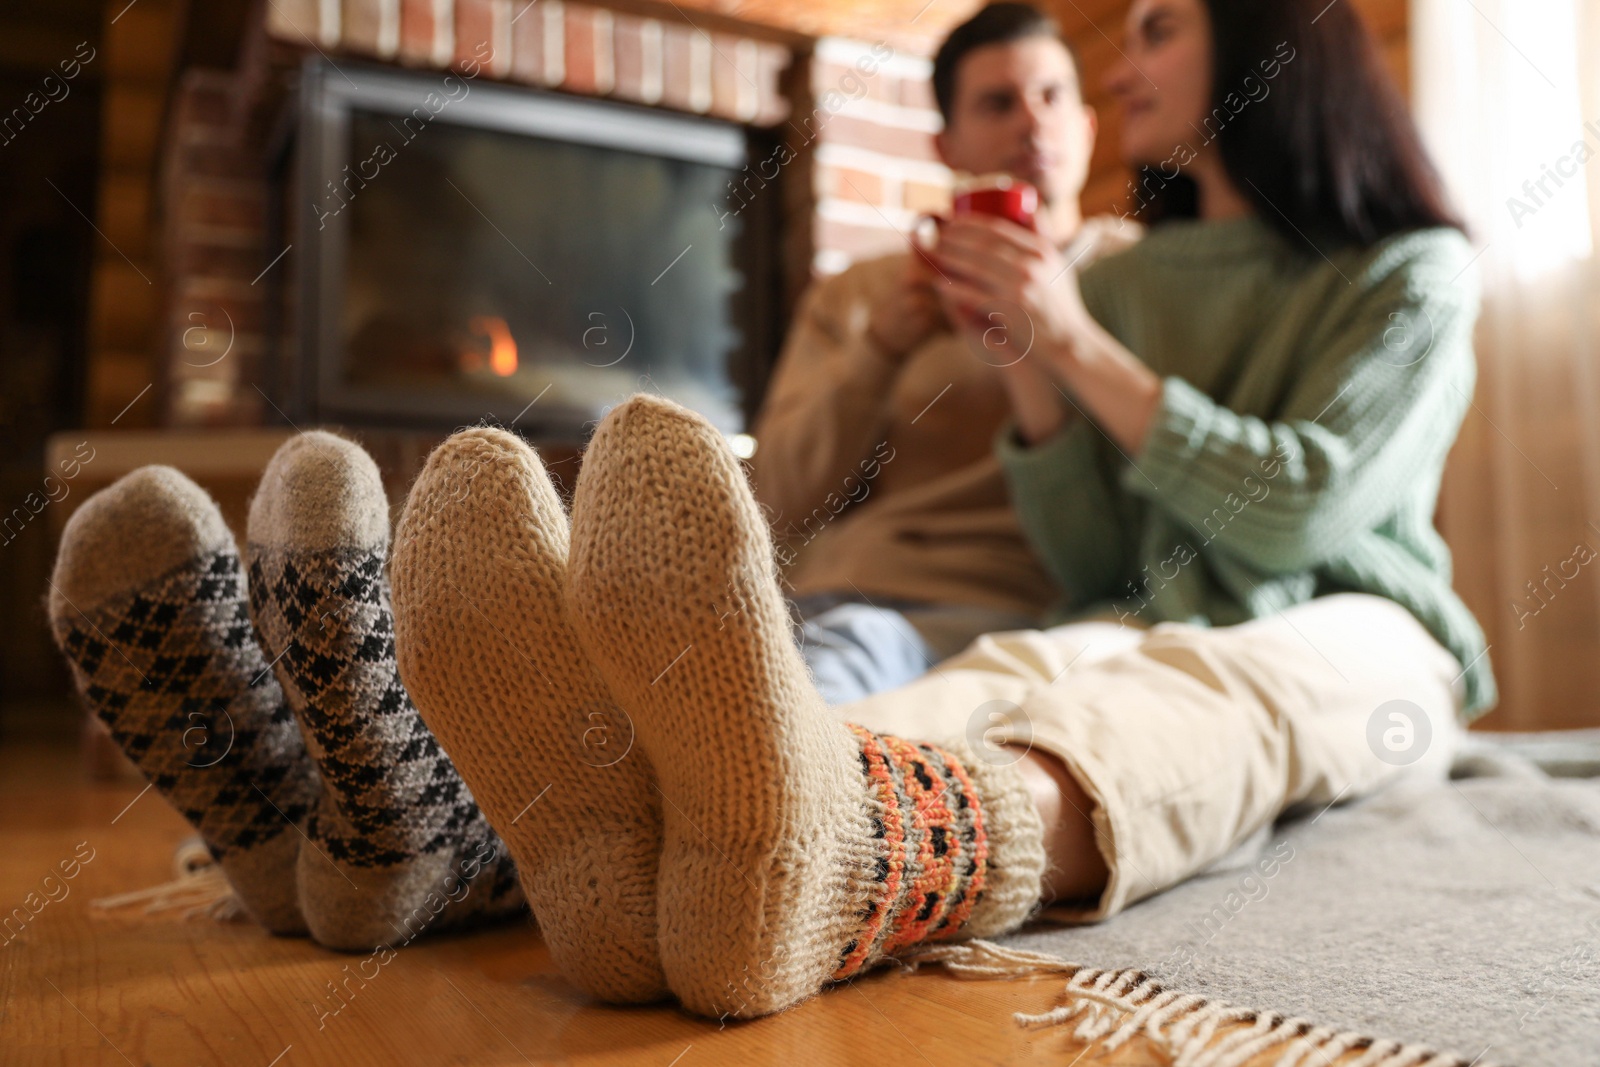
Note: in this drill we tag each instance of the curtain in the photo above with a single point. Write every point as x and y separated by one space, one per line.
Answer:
1507 93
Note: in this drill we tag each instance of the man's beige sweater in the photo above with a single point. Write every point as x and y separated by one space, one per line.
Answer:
881 477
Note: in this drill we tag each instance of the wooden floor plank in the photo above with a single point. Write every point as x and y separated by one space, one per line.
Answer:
79 986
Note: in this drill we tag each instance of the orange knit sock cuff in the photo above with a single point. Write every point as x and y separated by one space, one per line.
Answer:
933 864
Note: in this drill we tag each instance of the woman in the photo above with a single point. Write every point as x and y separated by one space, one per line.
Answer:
626 703
1251 408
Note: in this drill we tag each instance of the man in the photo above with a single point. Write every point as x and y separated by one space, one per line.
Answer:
875 444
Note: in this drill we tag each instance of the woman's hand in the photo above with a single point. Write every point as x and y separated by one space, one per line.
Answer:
1038 408
992 265
1000 338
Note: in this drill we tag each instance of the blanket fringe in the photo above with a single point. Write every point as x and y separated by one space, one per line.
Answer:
1113 1006
199 889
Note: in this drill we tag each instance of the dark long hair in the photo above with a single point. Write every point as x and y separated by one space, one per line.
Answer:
1329 151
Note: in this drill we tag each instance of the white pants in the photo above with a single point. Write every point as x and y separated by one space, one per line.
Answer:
1188 739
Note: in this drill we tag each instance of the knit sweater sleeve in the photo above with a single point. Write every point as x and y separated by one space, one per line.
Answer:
1385 378
1066 503
1064 489
828 402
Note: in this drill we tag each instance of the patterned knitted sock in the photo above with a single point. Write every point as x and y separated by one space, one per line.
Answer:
480 561
148 605
797 851
398 844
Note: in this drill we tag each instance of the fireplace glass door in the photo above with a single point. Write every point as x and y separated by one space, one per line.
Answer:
483 252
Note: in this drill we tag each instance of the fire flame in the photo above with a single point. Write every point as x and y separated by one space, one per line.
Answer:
502 347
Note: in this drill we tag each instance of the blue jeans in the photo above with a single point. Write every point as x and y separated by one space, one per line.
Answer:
856 648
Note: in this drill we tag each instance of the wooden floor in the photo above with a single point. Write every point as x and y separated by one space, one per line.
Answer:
79 986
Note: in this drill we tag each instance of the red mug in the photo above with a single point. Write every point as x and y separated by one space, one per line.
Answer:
999 195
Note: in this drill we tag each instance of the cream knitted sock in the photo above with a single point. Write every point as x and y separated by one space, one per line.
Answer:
798 850
148 605
396 845
485 646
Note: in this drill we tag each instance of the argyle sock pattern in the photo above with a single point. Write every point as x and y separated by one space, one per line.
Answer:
396 826
331 619
172 668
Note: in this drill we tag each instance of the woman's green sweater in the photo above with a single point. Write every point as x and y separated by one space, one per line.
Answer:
1308 404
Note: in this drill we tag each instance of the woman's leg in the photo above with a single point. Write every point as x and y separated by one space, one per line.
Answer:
796 850
1201 737
978 695
1185 740
485 643
1075 868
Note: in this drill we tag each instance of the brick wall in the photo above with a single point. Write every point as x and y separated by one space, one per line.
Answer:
578 48
856 119
213 230
856 114
871 125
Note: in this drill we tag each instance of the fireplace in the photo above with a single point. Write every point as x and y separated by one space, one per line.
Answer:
470 251
290 300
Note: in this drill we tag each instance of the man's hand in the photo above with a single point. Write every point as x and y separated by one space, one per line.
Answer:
909 314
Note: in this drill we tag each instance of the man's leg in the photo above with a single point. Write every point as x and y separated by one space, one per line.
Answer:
395 832
148 603
855 650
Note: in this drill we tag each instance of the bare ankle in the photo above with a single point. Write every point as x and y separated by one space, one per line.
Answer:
1076 867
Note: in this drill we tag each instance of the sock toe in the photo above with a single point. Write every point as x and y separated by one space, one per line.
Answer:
133 532
320 493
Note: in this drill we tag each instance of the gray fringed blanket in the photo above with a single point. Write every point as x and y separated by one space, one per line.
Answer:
1462 918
